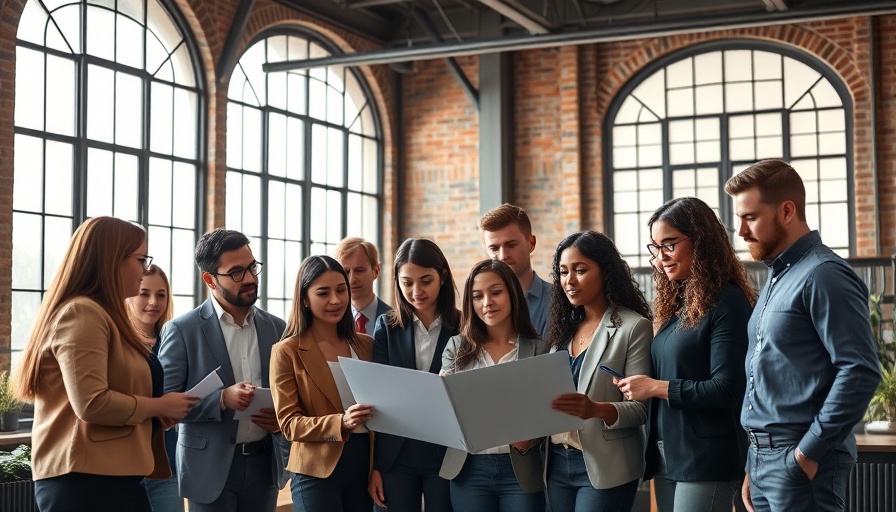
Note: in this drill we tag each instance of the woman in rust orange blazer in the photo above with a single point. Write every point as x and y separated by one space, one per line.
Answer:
330 451
96 387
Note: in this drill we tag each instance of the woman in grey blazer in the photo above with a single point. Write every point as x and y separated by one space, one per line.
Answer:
495 329
600 317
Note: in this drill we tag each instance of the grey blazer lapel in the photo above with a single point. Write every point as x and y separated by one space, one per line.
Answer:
525 348
602 338
267 336
214 339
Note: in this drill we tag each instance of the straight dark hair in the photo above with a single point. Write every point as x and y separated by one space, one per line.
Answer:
424 253
300 318
619 286
213 244
473 330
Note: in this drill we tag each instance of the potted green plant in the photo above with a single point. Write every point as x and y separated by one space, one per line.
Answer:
16 485
10 407
882 409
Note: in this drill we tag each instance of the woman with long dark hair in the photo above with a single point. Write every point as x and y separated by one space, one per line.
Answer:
414 335
495 329
702 304
601 318
330 450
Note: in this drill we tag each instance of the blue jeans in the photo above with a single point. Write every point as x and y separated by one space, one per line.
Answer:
346 487
778 483
570 490
487 484
705 496
414 479
163 495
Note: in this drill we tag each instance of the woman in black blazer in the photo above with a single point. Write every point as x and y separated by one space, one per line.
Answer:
696 448
414 335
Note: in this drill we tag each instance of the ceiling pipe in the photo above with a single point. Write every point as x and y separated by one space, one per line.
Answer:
517 16
607 33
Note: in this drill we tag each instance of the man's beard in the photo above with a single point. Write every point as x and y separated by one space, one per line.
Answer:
762 250
237 299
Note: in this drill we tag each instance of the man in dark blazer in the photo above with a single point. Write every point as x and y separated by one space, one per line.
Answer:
361 262
224 464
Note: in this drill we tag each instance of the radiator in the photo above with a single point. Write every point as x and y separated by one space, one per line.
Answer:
872 488
17 497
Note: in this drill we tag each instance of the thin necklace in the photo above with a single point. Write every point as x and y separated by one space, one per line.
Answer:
144 333
588 337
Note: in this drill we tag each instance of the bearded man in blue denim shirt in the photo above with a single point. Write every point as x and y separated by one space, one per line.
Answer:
811 365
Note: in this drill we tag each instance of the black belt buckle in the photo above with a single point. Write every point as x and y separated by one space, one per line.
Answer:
760 439
253 448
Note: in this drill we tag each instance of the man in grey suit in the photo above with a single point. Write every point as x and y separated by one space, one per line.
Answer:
361 262
224 464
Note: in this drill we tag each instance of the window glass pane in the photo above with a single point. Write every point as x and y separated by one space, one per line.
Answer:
25 306
185 109
680 74
126 187
60 95
128 110
766 65
32 23
59 187
277 144
681 102
100 180
738 65
276 209
295 149
798 79
831 120
335 158
184 194
100 103
234 136
183 270
317 99
161 120
834 225
768 95
234 210
708 68
160 187
709 99
129 41
28 174
297 86
26 251
738 97
251 139
294 211
29 88
100 33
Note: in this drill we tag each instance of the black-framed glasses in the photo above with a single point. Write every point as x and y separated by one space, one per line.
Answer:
239 275
666 247
145 259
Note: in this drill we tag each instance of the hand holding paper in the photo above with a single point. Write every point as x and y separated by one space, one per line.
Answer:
207 386
259 398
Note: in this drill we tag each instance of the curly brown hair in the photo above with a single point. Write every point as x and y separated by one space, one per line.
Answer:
619 286
714 264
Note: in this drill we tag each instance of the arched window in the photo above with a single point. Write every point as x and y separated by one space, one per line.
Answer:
107 122
688 122
303 159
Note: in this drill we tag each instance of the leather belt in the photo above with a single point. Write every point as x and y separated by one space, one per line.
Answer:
253 448
761 439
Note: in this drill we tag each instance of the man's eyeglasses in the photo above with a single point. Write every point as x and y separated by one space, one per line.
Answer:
239 275
145 259
667 247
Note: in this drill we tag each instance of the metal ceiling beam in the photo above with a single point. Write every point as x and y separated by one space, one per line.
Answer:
775 5
228 53
607 33
471 92
517 16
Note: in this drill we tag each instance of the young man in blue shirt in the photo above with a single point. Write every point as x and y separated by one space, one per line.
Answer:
811 364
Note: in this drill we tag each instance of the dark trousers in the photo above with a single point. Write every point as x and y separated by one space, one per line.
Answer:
414 477
80 492
249 487
345 490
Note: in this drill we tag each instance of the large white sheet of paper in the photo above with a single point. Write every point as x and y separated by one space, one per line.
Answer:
261 400
471 410
207 386
345 391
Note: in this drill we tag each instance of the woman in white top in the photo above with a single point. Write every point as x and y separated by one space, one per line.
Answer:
495 329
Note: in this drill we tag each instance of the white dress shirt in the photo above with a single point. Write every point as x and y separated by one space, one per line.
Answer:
425 342
245 360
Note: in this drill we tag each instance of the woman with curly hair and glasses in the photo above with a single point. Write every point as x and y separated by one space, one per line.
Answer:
702 304
600 317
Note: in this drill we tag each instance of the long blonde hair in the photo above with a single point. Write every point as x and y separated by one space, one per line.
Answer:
155 270
90 268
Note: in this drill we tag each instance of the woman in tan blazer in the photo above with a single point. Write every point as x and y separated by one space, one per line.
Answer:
330 451
95 385
600 317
